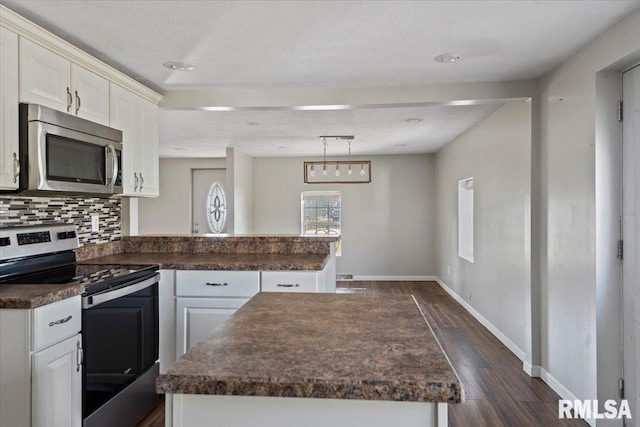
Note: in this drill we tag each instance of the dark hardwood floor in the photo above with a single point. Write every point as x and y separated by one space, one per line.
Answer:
497 391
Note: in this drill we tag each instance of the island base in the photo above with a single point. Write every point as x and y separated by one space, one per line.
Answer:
192 410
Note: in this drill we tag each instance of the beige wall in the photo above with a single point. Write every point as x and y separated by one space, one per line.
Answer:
388 225
496 153
569 213
240 194
171 212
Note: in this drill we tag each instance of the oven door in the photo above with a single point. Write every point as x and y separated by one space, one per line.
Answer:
120 335
68 161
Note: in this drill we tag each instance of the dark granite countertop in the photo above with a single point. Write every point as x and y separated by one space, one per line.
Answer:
248 252
214 261
338 346
33 296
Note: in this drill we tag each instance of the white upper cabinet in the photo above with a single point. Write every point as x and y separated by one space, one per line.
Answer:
149 154
90 95
45 78
9 165
137 118
48 79
65 78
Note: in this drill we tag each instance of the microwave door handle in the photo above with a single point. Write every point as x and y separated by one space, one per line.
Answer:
114 159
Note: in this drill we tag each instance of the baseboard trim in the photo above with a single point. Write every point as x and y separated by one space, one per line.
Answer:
531 370
397 278
562 391
480 318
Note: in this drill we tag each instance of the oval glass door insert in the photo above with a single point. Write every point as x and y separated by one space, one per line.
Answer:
216 208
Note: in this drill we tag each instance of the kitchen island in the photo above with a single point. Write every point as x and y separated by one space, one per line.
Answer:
314 360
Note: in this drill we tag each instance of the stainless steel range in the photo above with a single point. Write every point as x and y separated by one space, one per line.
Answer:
119 319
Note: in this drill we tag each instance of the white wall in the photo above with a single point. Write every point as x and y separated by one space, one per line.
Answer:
170 213
568 165
496 153
240 194
388 225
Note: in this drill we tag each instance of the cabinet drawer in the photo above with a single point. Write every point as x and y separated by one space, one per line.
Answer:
217 283
299 281
55 322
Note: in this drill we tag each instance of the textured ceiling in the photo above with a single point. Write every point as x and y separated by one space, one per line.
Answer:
323 44
274 44
295 133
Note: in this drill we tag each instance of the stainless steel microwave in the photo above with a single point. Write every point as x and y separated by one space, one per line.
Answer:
62 153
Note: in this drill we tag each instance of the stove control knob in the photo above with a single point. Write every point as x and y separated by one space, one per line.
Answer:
62 235
5 241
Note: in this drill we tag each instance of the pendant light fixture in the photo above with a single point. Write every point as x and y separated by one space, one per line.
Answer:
342 170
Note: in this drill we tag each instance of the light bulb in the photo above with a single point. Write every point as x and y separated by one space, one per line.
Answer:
324 170
350 171
362 171
337 171
312 172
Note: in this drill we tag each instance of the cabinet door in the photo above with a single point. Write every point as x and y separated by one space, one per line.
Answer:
137 118
148 148
90 95
122 116
198 317
8 109
57 385
45 77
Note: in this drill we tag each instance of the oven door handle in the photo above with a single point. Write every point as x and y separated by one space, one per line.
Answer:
90 301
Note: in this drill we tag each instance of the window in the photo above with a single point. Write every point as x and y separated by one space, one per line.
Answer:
321 213
216 208
465 219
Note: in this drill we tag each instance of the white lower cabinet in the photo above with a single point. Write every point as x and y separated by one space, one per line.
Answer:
57 385
292 281
198 317
41 365
206 299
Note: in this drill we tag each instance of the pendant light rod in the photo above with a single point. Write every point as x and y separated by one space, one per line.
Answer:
324 141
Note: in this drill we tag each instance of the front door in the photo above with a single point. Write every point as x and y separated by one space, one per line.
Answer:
631 238
201 182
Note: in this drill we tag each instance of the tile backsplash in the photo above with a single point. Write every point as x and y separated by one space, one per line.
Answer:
76 210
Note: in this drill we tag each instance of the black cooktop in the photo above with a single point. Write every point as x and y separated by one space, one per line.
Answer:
94 277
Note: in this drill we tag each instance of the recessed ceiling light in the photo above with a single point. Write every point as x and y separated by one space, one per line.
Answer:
178 66
447 58
413 120
252 124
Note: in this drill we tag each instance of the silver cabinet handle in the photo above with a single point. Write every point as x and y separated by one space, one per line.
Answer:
216 284
141 181
79 356
288 285
69 99
61 321
16 168
135 177
77 103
